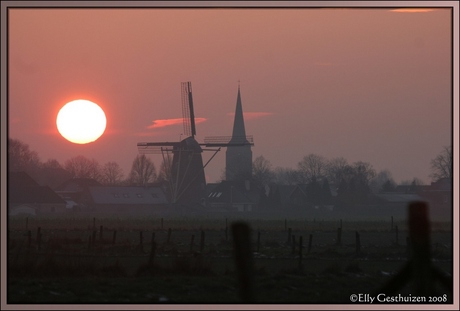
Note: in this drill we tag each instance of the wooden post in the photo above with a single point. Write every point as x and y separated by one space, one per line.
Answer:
243 260
339 236
358 243
114 237
309 243
169 236
419 229
191 243
202 241
152 250
300 252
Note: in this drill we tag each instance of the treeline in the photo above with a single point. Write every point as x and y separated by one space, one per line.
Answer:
314 170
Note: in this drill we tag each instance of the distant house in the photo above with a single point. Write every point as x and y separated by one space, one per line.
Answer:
74 188
233 196
25 196
131 200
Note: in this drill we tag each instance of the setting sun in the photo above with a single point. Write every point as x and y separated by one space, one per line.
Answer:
81 121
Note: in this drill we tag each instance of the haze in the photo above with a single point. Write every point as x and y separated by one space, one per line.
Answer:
371 85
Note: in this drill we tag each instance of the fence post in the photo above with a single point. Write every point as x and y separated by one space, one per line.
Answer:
419 229
152 250
243 260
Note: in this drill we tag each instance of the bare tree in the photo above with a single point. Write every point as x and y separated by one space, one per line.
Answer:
21 158
112 173
142 171
441 166
337 170
165 169
262 170
82 167
381 179
312 167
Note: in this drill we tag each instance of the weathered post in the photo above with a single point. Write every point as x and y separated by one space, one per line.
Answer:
202 241
419 229
152 250
243 260
309 243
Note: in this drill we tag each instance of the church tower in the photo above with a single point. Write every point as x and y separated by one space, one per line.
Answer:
238 163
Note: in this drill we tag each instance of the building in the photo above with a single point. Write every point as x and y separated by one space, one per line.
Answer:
238 159
27 197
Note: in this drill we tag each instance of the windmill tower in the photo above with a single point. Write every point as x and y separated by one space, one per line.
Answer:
186 170
238 162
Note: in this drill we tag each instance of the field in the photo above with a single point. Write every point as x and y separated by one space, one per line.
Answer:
80 260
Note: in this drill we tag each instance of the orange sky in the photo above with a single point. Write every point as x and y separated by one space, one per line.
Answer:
365 84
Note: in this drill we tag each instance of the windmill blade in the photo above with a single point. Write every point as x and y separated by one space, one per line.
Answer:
226 141
156 148
188 114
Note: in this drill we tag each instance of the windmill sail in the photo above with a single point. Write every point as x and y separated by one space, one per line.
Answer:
188 114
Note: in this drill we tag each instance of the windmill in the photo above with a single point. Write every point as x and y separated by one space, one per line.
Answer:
186 170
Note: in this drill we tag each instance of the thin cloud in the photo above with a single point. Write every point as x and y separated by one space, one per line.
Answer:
168 122
412 10
252 115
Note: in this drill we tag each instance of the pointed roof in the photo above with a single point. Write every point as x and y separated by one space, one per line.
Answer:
238 123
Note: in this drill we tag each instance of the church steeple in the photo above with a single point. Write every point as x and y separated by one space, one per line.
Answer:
238 158
238 123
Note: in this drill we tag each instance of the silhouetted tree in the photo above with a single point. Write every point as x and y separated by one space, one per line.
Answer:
441 166
112 173
142 171
312 167
82 167
381 178
21 158
262 170
337 170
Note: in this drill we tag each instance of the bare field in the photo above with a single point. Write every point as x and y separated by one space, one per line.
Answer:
110 260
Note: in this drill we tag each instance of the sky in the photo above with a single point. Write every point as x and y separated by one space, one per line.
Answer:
366 84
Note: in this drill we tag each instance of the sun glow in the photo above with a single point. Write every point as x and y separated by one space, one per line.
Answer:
81 121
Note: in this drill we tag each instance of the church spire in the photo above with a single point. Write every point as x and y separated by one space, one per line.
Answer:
238 124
